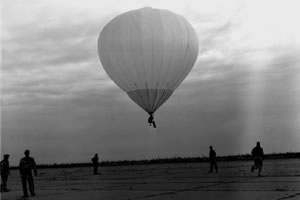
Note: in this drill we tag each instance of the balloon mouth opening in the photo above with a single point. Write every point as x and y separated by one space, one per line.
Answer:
150 99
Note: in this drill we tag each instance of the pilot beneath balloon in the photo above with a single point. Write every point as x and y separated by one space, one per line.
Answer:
150 120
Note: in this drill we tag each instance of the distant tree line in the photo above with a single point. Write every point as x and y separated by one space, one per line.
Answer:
289 155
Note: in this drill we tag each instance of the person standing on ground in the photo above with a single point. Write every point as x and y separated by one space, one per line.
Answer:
4 164
27 164
213 160
257 154
95 161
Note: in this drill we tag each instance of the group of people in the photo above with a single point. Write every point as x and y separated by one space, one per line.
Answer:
26 167
257 154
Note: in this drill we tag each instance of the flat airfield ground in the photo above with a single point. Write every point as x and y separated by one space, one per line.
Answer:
185 181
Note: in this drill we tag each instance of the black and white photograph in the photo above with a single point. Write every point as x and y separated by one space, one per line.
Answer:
150 99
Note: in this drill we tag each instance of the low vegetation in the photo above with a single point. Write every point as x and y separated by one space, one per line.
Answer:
289 155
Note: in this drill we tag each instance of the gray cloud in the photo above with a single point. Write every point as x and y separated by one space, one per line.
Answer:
51 62
51 46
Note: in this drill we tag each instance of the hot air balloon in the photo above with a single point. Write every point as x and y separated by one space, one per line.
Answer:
148 53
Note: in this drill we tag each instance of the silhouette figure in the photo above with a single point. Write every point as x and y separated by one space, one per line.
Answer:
258 154
151 120
95 163
4 173
212 160
27 164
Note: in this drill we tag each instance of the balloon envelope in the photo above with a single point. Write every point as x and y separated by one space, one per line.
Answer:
148 53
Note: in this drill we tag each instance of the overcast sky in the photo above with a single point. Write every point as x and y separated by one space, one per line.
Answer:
58 101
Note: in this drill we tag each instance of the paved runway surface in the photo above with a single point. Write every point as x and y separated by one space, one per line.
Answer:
190 181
